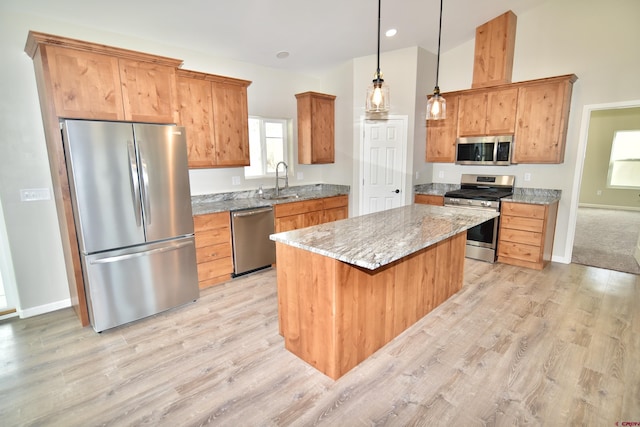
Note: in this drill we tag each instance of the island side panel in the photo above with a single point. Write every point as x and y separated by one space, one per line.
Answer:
306 297
376 306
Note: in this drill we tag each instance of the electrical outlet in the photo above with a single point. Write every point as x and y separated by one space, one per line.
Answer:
300 176
33 194
527 176
599 193
417 175
235 180
441 174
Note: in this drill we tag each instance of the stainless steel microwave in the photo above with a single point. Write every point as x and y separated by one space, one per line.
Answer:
484 150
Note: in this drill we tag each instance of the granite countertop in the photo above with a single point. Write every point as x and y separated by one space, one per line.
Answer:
534 196
538 196
435 188
221 202
374 240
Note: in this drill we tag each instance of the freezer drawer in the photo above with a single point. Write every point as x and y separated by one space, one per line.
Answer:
129 284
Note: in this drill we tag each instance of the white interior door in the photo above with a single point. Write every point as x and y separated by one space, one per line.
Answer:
382 165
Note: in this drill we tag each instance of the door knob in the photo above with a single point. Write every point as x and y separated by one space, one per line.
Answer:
397 191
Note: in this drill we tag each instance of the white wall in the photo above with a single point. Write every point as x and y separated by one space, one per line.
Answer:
597 41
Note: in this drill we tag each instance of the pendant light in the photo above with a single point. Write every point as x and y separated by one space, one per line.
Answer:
378 92
437 106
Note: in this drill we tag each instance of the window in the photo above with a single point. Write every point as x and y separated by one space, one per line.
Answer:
267 146
624 165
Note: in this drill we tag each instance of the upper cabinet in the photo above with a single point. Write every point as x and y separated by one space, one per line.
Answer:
316 133
487 112
494 51
213 109
89 81
148 91
442 134
85 84
536 112
542 118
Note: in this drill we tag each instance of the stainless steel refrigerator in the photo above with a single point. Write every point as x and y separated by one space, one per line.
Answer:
132 210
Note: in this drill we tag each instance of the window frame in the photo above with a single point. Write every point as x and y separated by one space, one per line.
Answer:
286 128
615 158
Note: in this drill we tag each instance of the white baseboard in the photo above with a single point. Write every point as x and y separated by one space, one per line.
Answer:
615 208
46 308
560 259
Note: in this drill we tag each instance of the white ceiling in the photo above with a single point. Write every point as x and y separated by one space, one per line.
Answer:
318 34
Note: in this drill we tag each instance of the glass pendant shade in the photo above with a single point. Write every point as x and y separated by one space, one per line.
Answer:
377 97
436 107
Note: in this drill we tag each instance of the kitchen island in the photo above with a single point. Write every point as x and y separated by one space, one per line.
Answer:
348 287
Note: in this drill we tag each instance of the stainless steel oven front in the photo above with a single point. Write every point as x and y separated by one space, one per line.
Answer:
482 239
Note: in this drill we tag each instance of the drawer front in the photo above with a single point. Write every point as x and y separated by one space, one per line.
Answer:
519 251
335 202
215 268
295 208
521 223
429 199
213 237
519 236
210 253
210 221
524 210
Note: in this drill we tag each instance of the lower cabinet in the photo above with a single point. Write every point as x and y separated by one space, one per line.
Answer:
526 234
429 199
294 215
213 248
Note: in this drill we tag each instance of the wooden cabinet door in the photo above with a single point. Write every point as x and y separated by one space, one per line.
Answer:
148 91
231 124
322 130
472 114
288 223
501 111
489 112
442 134
85 85
195 113
335 214
541 122
312 218
316 131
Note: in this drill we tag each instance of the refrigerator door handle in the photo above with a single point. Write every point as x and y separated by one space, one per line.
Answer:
139 254
133 179
145 192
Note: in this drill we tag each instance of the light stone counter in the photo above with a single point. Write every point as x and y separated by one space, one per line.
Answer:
377 239
221 202
534 196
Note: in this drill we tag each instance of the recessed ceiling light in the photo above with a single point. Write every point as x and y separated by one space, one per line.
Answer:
391 32
282 54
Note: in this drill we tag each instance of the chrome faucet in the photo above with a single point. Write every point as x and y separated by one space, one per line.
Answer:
278 178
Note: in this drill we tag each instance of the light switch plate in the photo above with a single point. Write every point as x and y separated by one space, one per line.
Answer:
33 194
235 180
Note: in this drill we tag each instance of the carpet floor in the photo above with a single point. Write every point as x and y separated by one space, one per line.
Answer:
607 238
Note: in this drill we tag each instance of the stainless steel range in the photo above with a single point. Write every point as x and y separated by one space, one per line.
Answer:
481 192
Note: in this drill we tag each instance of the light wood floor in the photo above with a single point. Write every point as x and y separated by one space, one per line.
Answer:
514 347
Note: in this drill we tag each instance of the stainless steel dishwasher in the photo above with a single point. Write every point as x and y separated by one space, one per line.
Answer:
252 249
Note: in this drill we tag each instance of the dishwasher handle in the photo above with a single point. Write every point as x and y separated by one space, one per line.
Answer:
251 212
